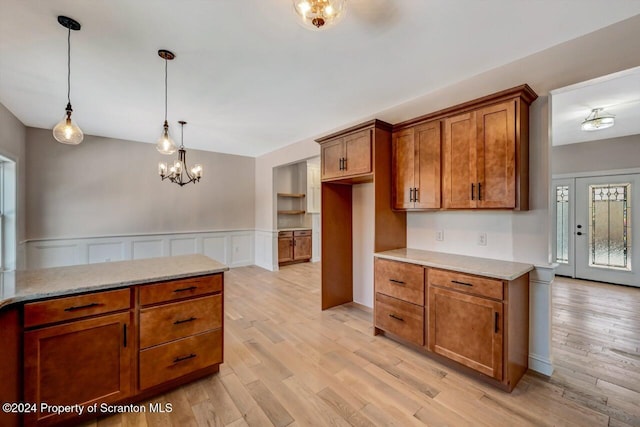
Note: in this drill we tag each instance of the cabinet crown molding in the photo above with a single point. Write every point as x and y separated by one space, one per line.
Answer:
375 123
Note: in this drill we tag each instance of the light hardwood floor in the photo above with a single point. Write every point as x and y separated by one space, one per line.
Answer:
289 364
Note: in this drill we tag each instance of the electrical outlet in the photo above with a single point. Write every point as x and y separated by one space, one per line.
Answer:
482 239
440 235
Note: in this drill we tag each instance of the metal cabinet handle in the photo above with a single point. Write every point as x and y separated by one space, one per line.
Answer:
340 164
496 322
344 163
397 282
415 195
393 316
461 283
190 288
183 358
479 191
472 191
411 195
82 307
124 334
178 322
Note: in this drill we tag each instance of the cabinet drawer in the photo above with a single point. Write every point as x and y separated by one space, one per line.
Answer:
175 359
179 289
482 286
75 307
400 280
285 234
299 233
179 320
401 318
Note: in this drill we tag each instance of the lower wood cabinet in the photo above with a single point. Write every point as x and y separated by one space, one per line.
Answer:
116 346
294 246
479 322
82 362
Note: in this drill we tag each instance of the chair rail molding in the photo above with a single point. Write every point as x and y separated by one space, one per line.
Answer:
234 248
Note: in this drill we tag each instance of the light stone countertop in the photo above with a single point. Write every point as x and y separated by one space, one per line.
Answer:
28 285
504 270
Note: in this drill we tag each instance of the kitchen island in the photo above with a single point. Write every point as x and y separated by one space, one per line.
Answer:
107 333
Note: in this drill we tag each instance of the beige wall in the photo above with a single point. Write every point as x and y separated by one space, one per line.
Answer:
603 155
108 187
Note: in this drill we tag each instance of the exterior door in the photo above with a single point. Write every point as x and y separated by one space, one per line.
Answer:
606 233
563 194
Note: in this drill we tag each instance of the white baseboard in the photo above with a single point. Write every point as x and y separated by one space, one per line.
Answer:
234 248
540 364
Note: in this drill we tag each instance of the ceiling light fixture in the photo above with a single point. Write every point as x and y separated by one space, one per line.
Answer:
66 131
320 14
598 120
179 172
165 144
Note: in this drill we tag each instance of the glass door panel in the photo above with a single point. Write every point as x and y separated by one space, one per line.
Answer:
563 204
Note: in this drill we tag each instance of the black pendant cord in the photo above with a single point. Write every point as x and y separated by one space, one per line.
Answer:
165 89
69 66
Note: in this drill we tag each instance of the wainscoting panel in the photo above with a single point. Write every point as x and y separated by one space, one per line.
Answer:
266 249
234 248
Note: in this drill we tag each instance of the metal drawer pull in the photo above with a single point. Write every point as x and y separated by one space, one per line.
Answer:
461 283
178 322
411 195
472 188
124 333
479 191
183 358
397 282
496 323
190 288
393 316
81 307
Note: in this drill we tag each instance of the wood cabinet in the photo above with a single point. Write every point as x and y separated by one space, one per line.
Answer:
118 345
416 167
294 246
399 299
79 362
346 156
479 322
485 155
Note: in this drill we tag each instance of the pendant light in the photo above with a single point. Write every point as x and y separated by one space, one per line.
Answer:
165 143
320 14
179 173
66 131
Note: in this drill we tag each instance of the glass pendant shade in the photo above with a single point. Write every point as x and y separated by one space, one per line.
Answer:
67 132
598 120
320 14
165 143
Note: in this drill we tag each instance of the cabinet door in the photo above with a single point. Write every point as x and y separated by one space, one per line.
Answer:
467 329
402 169
427 166
332 154
357 153
285 249
497 156
82 362
302 247
459 155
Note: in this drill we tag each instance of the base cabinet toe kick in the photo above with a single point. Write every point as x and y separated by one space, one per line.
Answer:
83 353
475 323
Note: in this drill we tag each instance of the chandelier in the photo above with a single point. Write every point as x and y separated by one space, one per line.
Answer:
179 172
320 14
598 119
165 144
66 131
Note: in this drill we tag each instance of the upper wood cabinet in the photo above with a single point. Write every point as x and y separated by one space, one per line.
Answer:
416 167
347 156
485 155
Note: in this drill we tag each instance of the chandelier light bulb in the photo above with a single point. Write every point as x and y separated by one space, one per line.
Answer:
165 144
66 131
319 14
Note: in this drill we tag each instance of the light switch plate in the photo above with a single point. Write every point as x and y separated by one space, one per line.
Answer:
440 235
482 239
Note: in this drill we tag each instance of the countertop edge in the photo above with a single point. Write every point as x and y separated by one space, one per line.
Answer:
458 268
19 299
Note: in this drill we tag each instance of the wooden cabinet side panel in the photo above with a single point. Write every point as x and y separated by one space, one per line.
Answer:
358 155
337 251
522 155
83 362
10 362
402 169
427 165
459 161
331 154
496 163
517 330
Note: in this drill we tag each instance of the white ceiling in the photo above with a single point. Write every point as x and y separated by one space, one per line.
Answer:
247 77
618 94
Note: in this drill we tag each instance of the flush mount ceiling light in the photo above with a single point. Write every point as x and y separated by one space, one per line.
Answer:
179 173
598 120
320 14
165 144
66 131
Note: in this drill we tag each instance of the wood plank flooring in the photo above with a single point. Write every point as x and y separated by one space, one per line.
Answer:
289 364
